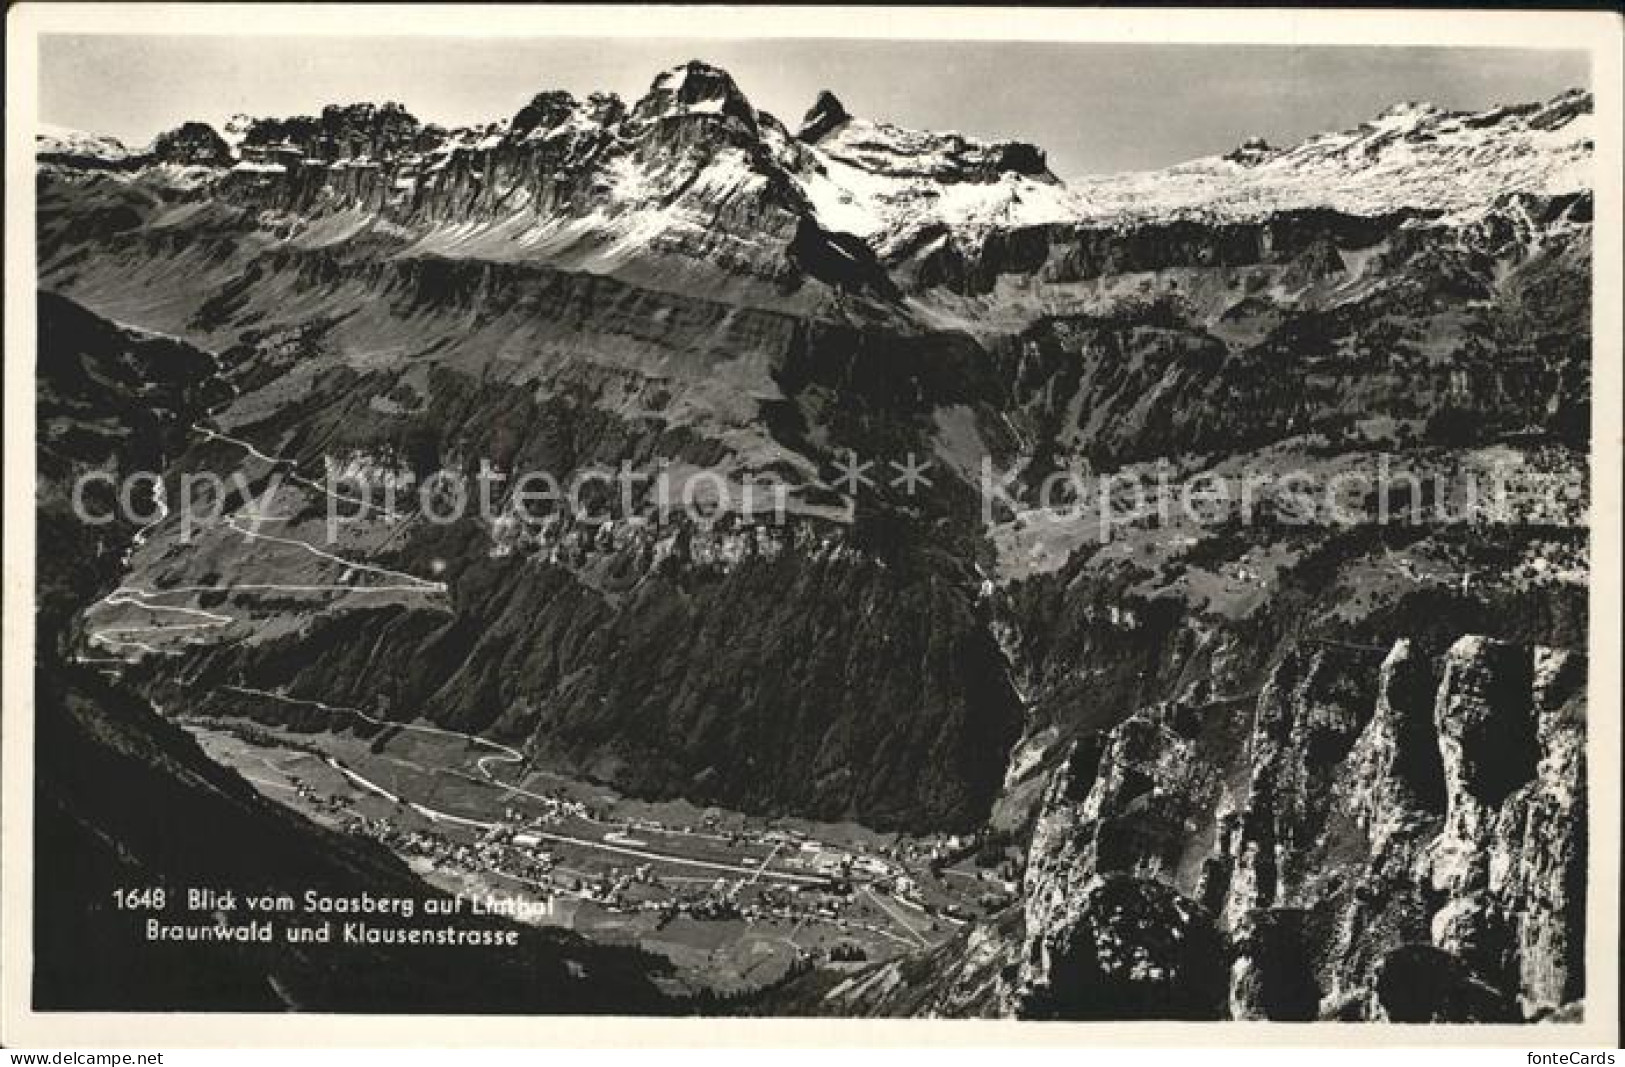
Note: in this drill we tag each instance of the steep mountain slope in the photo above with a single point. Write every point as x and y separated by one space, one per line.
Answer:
681 284
127 800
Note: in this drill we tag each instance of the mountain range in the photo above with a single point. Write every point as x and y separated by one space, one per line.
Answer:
1266 737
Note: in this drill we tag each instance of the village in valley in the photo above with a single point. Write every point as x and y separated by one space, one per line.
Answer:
736 903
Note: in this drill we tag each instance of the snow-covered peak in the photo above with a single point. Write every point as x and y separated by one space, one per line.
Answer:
694 88
890 185
692 151
1251 152
66 143
1416 156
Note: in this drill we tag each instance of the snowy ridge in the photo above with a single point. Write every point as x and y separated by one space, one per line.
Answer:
1413 155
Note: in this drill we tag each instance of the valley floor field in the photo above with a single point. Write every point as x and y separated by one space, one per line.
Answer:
735 902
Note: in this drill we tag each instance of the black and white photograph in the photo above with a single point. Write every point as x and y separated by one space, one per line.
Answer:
728 525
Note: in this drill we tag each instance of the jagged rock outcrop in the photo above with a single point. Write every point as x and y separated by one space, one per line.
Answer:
1308 718
1115 851
1135 949
695 88
1487 724
356 131
1395 780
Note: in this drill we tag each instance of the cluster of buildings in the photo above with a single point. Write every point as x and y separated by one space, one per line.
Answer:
487 853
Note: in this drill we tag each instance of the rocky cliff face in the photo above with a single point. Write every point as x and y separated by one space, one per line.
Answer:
192 144
1387 846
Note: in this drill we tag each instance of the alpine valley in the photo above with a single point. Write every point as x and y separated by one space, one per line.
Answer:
905 746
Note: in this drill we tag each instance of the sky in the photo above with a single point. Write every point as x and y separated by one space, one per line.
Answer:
1095 108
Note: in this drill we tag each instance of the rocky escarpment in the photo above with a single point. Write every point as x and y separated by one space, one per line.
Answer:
1400 840
1511 858
1392 836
